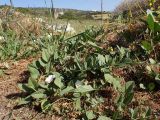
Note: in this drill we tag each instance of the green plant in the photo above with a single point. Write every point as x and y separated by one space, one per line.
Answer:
74 71
66 67
13 48
154 31
144 115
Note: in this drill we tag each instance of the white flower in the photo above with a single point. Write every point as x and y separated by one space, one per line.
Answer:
50 78
148 11
70 29
2 38
49 36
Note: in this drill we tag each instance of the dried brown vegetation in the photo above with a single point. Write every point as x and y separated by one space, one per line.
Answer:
22 25
136 6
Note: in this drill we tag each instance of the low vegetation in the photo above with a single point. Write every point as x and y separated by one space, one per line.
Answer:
95 74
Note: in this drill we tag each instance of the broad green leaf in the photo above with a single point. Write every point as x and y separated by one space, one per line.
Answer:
33 84
78 104
128 98
33 71
157 27
45 105
119 102
34 64
24 101
48 66
67 90
56 56
76 95
122 52
42 62
129 93
151 86
148 68
150 20
38 95
101 60
58 82
129 86
44 86
148 112
107 57
90 115
45 55
110 79
25 88
152 61
57 74
146 46
84 89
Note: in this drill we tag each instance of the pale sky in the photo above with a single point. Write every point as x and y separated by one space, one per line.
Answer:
108 5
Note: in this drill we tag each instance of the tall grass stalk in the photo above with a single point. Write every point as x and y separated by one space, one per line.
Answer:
101 12
11 3
138 4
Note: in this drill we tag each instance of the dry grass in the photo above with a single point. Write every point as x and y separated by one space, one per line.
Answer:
136 6
24 25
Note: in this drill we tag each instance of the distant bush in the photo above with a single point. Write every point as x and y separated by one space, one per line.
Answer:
24 10
71 14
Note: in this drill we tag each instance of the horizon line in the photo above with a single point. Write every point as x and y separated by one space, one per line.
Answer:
57 8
